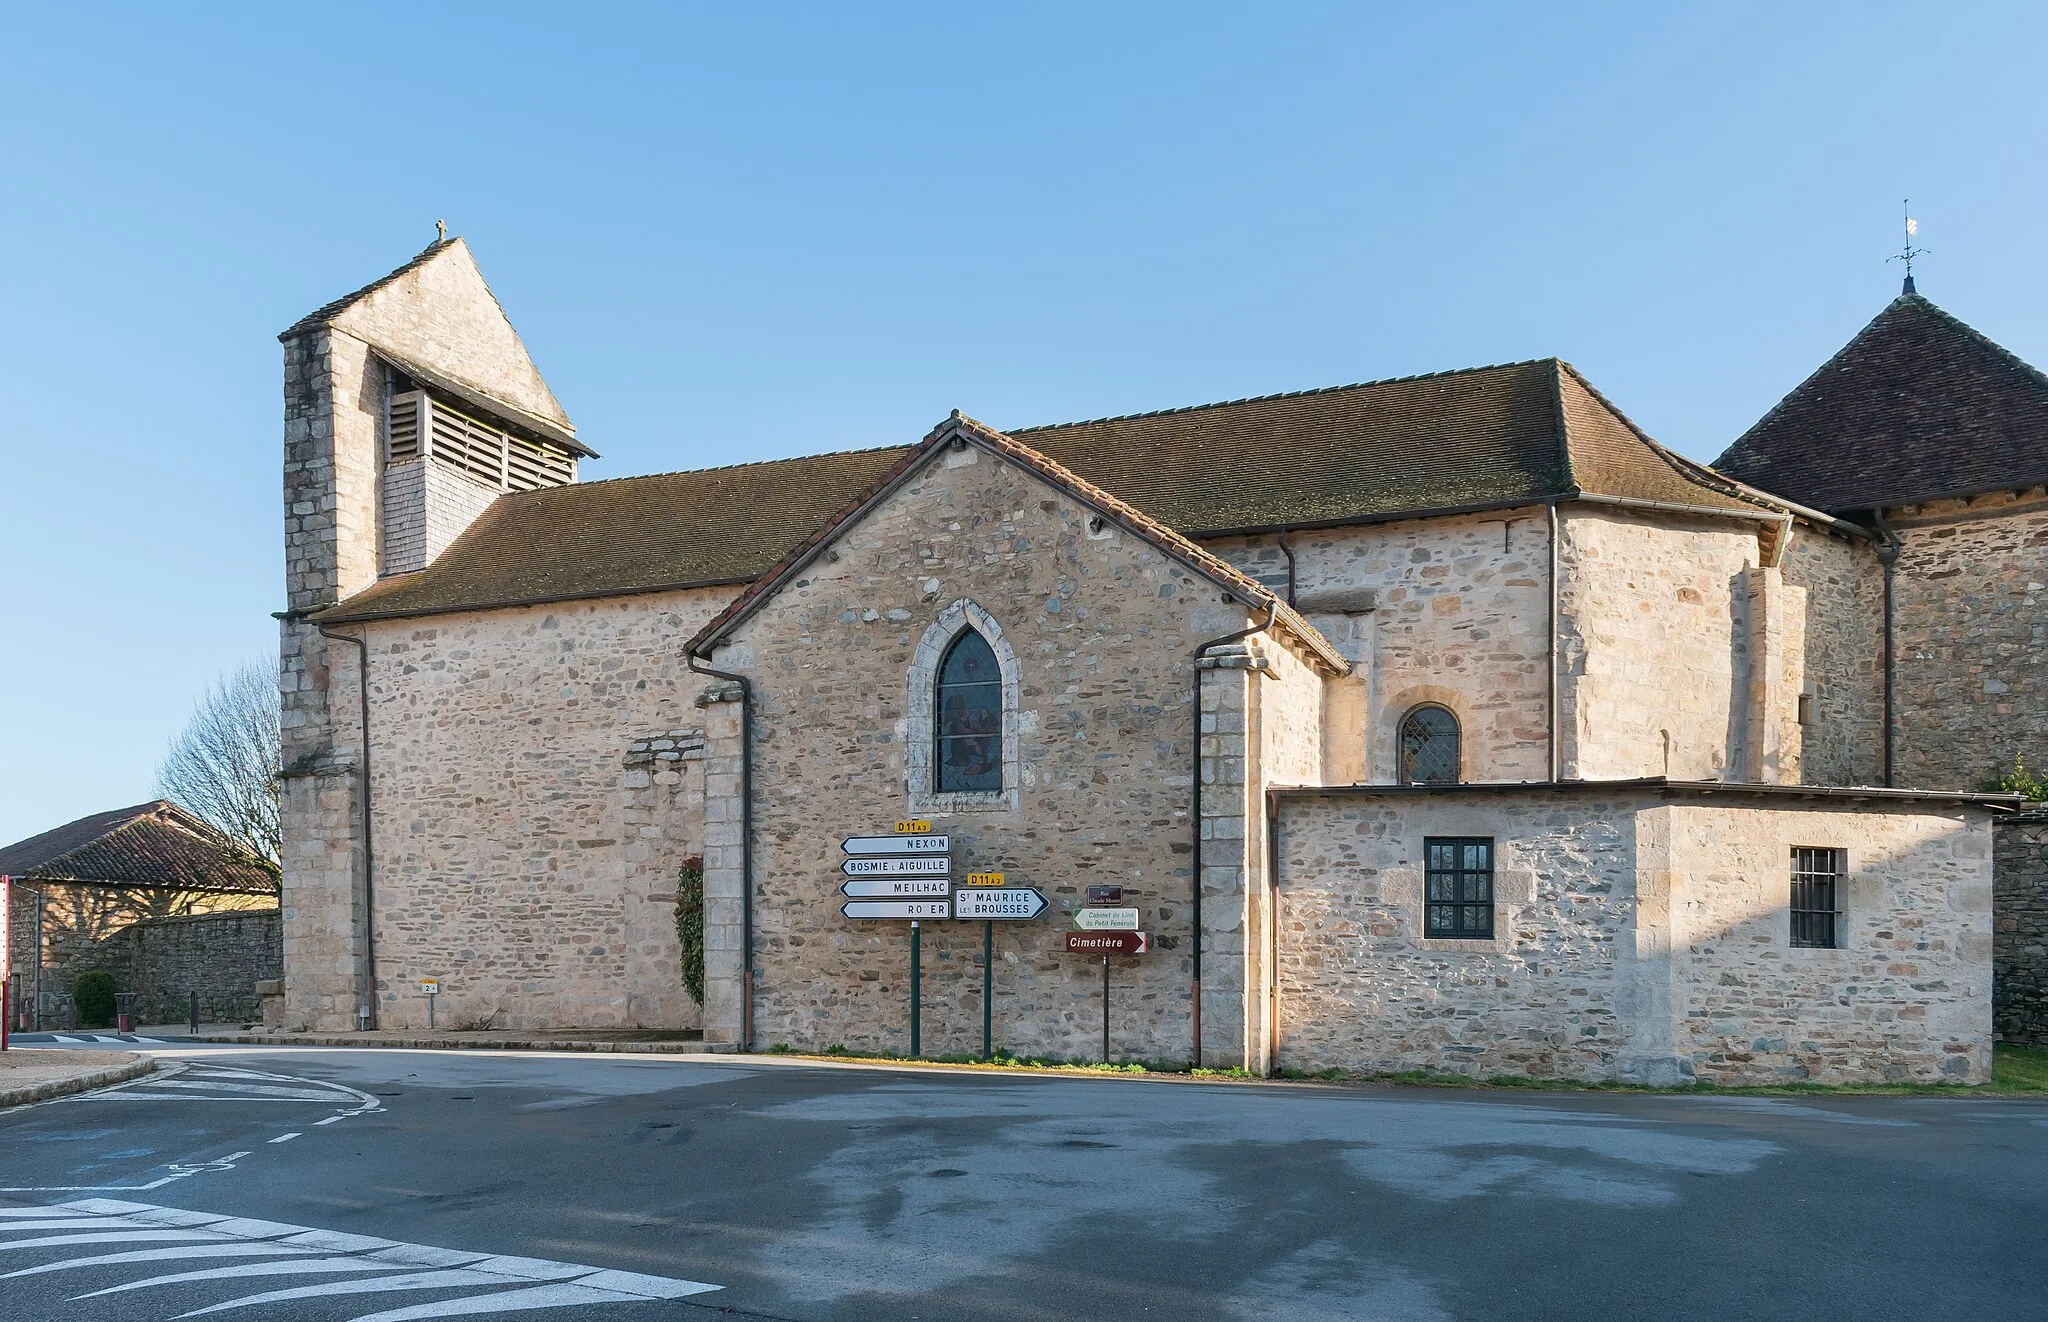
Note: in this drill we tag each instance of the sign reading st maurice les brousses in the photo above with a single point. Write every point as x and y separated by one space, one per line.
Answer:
991 902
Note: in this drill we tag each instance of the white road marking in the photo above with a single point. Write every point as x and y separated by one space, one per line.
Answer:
330 1119
304 1267
162 1255
541 1282
178 1171
283 1137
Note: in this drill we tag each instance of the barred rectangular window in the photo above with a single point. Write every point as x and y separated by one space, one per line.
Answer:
1817 897
1458 887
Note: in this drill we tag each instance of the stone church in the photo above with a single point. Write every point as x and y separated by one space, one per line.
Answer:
1447 722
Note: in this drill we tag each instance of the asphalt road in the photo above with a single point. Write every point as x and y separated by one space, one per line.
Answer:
308 1183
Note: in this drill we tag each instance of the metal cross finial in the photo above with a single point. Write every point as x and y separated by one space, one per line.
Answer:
440 231
1909 252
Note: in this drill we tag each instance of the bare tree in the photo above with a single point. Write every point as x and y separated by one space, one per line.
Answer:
224 767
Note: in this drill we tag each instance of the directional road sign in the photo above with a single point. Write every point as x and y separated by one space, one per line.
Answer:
1106 943
937 865
1106 920
896 844
875 888
897 909
998 902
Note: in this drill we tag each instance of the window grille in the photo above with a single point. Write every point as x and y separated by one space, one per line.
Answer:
1429 747
1458 887
1817 897
969 717
485 453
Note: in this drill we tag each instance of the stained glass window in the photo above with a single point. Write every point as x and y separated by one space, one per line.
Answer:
970 716
1429 747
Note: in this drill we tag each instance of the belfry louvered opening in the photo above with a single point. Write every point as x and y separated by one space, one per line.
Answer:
421 426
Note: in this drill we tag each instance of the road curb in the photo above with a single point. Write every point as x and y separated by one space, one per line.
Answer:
43 1092
445 1044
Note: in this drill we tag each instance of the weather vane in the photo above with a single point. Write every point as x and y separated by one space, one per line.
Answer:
1909 252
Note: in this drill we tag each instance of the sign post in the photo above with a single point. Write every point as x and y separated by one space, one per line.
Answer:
430 988
988 986
1106 944
6 960
916 977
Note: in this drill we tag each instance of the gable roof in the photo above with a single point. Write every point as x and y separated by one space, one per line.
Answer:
150 844
327 312
1918 405
1480 438
960 427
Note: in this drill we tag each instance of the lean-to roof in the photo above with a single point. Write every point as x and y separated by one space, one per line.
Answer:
150 844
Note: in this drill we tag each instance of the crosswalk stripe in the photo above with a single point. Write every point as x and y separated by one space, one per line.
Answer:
303 1267
490 1283
161 1255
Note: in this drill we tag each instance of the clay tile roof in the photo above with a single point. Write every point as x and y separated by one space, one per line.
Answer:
151 844
1485 437
320 316
1247 588
1917 405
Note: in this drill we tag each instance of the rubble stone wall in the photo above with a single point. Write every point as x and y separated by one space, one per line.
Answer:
538 786
2020 941
1971 637
1636 939
1103 627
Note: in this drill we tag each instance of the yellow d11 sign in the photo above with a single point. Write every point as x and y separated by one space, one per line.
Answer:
918 827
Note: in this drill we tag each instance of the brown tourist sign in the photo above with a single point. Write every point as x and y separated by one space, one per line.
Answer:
1106 943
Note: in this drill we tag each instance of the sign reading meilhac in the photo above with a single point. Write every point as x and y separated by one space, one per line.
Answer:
896 844
876 888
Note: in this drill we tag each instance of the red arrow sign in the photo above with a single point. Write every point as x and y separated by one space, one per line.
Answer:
1106 943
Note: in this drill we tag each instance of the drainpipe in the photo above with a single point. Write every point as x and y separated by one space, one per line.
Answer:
366 1015
1550 634
1272 934
1280 540
1195 816
1888 556
746 846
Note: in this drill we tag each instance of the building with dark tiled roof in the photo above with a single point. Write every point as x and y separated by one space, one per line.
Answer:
77 885
1444 722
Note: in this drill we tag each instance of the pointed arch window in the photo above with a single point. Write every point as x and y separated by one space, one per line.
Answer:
969 718
1429 746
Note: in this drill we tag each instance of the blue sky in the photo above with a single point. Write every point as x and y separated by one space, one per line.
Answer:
735 233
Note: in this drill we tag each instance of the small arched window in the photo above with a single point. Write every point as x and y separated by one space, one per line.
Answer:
1429 747
969 717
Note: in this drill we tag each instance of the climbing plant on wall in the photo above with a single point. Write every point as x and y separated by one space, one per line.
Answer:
690 925
2022 781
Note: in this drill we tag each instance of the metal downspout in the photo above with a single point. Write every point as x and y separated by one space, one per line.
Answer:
1550 635
1195 820
1888 555
1272 934
368 1017
746 846
1280 540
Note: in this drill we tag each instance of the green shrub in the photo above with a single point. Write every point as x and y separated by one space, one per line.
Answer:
690 925
2022 782
93 993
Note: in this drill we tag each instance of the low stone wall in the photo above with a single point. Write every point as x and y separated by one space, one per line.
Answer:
1638 937
2019 943
221 956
